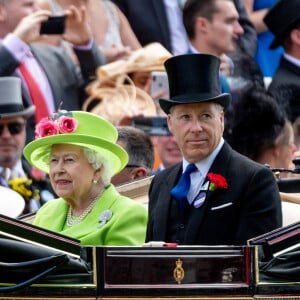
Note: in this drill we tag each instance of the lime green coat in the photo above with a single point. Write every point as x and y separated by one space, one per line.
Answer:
126 227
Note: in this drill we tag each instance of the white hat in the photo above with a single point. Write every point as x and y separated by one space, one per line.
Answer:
12 203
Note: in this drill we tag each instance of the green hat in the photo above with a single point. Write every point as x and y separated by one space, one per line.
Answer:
79 128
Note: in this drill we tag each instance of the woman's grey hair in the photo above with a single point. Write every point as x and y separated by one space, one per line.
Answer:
97 160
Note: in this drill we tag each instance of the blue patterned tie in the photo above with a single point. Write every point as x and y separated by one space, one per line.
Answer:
180 191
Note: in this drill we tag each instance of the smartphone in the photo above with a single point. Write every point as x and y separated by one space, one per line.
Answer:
54 25
152 126
159 82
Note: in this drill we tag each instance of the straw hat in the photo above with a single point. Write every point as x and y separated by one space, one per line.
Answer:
146 59
113 103
76 128
108 73
11 103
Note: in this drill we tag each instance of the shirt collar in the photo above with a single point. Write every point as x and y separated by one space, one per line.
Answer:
292 59
204 165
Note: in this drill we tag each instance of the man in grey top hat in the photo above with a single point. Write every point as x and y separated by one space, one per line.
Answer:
215 196
13 118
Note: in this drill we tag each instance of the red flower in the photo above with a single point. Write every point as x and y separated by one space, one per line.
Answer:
217 181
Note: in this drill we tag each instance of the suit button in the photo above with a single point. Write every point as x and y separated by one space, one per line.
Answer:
181 226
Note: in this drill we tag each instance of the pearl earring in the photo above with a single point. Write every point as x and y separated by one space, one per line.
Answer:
95 181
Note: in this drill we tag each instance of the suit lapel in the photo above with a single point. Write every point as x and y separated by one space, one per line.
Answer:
290 66
219 166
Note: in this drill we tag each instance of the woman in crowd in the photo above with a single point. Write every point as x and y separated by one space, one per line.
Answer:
261 130
110 28
79 151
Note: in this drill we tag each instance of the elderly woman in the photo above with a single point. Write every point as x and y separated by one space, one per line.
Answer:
79 151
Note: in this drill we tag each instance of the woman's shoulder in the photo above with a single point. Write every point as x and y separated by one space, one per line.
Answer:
54 204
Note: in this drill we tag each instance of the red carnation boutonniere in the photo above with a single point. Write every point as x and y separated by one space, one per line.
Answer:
217 181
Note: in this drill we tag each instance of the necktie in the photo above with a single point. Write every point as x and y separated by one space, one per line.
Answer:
4 176
180 191
35 93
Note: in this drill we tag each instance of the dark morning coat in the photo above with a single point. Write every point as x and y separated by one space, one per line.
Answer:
66 79
285 86
249 207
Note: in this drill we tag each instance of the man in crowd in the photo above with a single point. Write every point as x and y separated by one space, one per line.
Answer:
50 79
140 151
212 27
13 121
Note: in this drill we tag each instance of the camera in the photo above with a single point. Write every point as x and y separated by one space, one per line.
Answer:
152 126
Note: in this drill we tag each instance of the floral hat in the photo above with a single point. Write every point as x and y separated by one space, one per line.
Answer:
79 128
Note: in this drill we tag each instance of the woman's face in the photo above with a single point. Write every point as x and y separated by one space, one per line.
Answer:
70 173
286 149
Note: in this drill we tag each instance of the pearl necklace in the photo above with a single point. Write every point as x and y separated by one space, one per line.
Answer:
71 222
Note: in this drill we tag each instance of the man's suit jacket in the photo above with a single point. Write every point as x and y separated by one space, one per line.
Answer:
66 79
249 207
285 87
247 43
149 22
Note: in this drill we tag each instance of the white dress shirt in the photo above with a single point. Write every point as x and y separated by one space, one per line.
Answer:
198 177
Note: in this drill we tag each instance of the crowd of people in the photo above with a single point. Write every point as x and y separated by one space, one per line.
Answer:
68 103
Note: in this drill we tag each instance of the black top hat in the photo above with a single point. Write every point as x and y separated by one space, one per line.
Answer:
11 104
281 18
193 78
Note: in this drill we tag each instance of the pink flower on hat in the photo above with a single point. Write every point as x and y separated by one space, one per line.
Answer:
66 124
55 125
46 127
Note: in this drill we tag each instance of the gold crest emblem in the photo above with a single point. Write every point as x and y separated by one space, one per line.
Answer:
178 272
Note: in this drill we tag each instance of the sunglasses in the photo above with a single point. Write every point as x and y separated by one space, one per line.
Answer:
13 127
131 166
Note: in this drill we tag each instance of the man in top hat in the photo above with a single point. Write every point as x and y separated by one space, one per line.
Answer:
283 20
13 119
215 196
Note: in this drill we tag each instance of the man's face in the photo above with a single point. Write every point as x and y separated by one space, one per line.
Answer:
197 128
12 140
168 150
224 29
15 10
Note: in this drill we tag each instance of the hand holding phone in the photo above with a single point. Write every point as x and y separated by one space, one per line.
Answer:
159 85
54 25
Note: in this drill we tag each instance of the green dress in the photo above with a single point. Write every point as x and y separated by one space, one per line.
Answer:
126 227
